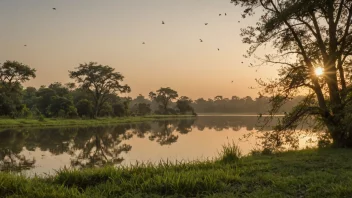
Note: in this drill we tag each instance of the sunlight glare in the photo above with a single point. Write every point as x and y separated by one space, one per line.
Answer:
319 71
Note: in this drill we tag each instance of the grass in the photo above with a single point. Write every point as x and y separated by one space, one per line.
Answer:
230 153
47 122
306 173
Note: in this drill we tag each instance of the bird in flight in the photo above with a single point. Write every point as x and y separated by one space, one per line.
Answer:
25 45
162 22
225 13
242 62
201 40
219 14
231 81
143 43
205 23
54 8
239 21
218 49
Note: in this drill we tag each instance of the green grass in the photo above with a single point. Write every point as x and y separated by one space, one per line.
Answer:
230 153
48 122
307 173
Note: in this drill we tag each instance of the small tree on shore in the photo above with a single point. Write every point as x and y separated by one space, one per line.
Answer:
164 96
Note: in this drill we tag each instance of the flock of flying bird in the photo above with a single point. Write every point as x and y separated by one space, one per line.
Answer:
163 23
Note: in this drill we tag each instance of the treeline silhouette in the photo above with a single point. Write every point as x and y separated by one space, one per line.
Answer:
239 105
95 93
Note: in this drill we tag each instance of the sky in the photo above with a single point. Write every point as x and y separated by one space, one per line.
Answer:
111 32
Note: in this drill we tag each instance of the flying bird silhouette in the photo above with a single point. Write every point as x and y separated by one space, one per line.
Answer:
242 62
201 40
143 43
218 49
162 22
219 14
225 13
25 45
231 81
205 23
239 21
54 8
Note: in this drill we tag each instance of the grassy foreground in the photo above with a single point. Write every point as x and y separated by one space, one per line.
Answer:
47 122
307 173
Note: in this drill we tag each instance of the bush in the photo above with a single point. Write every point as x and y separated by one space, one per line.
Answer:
72 112
41 118
84 108
61 113
119 110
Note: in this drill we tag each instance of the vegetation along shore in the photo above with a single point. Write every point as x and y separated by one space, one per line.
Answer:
306 173
52 122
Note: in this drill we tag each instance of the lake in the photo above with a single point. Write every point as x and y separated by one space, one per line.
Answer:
44 150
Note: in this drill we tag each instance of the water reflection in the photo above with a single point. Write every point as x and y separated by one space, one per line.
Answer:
40 150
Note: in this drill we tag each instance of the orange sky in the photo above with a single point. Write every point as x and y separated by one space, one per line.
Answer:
111 32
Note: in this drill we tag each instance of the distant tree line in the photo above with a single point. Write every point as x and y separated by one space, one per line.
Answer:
236 104
93 94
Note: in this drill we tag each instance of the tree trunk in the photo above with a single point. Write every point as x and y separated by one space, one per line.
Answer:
340 132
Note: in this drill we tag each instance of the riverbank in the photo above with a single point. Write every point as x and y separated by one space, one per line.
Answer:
50 122
307 173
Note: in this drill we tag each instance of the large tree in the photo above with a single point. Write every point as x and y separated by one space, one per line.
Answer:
306 35
164 96
12 75
100 81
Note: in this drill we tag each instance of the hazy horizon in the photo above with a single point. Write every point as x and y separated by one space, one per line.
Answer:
111 32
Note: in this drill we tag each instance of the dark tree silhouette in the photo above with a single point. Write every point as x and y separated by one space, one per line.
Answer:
307 35
99 81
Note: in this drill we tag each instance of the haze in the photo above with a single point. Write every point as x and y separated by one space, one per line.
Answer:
111 32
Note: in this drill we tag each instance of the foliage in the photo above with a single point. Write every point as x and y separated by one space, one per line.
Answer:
306 35
99 81
164 96
143 109
184 105
85 108
12 74
307 173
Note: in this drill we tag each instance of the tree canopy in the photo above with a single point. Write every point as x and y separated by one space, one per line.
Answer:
306 35
164 96
100 81
12 75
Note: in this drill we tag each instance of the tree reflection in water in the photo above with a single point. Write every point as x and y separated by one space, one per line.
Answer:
98 146
11 146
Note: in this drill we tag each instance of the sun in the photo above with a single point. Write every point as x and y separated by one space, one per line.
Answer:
319 71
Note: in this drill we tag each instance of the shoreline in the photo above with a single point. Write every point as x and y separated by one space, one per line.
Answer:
307 173
58 122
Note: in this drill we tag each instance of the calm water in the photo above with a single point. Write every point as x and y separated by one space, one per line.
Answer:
38 151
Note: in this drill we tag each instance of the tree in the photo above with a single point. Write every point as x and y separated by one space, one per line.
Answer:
99 81
307 35
12 74
61 107
144 109
184 105
119 109
164 96
84 108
